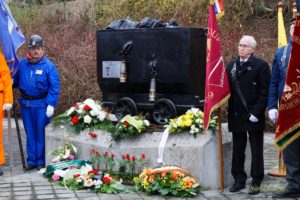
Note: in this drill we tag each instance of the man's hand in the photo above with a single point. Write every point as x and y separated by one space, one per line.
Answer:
50 111
252 118
7 107
273 115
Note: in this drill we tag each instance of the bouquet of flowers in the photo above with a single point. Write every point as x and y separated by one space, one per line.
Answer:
192 120
67 152
86 177
88 114
129 127
167 180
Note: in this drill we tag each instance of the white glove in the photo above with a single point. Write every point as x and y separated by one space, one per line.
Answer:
50 111
252 118
273 115
7 107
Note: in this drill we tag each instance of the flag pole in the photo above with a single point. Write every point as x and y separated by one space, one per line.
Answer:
220 150
281 170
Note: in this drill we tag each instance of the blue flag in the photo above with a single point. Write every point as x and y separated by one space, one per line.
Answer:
11 37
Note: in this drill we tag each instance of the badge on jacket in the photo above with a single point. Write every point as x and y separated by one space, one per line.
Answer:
40 72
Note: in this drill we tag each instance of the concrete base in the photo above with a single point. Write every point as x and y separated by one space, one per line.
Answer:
200 156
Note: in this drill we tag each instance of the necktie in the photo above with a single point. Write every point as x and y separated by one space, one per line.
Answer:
242 63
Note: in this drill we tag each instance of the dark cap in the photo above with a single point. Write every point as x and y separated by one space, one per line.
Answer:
35 40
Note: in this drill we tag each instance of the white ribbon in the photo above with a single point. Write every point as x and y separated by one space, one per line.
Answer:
161 147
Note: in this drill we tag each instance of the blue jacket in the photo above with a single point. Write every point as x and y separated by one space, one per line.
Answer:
36 79
278 76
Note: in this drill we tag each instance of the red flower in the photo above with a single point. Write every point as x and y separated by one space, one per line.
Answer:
87 108
75 119
75 105
93 135
106 179
127 156
143 156
93 172
126 124
133 158
106 153
112 156
76 175
123 157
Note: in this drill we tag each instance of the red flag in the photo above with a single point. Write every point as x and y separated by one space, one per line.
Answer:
288 124
216 83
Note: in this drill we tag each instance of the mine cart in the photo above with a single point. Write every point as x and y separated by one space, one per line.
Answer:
160 71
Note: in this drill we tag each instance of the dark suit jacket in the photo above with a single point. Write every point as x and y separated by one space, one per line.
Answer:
253 78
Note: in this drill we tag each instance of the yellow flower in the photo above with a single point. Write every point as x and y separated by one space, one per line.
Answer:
188 122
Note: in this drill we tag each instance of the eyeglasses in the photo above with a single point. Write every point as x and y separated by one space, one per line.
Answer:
244 46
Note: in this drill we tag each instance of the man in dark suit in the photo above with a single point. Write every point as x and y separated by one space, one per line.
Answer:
249 79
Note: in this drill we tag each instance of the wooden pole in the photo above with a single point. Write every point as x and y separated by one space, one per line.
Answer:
220 151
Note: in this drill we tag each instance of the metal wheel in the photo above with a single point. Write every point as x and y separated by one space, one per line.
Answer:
163 110
125 106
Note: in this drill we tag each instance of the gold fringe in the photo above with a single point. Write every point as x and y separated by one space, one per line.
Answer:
215 107
284 134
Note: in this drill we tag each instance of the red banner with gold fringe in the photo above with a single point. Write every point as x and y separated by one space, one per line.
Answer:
288 124
216 82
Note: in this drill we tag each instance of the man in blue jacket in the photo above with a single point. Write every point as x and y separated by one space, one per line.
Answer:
39 85
291 154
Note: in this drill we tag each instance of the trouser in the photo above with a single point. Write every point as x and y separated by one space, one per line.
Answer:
291 158
35 121
2 153
256 139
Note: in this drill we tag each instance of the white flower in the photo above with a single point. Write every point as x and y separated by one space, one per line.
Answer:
97 183
195 110
85 169
60 172
146 122
79 180
87 119
70 111
101 116
94 112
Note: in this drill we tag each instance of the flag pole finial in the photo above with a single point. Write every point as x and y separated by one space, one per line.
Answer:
280 4
294 10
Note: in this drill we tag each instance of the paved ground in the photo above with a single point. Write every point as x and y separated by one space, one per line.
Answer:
16 184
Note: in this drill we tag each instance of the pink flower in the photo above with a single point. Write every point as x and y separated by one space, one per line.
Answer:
70 157
55 177
106 153
88 183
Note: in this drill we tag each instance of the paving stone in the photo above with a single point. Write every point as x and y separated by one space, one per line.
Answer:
21 188
23 197
5 194
43 192
64 195
45 196
20 193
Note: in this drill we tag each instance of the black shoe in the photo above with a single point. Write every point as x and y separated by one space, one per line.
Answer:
287 193
1 172
30 167
236 187
40 167
254 189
